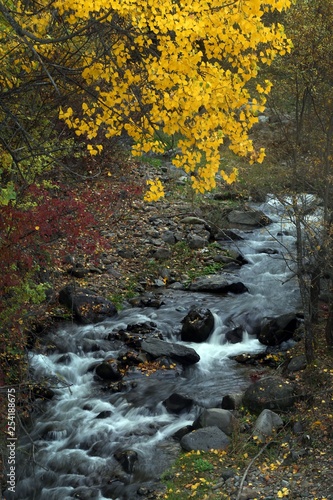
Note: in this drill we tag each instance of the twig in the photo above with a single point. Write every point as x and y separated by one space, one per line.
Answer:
248 468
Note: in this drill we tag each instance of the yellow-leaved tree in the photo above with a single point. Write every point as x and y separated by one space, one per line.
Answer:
155 69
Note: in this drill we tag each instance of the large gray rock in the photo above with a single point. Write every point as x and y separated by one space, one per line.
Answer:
195 241
157 348
272 393
235 335
208 438
86 306
297 363
216 417
109 370
274 331
232 401
176 403
216 284
254 218
266 424
197 325
162 253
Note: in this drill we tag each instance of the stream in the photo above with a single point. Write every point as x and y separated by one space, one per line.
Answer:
78 434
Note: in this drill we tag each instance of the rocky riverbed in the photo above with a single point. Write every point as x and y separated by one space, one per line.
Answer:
170 246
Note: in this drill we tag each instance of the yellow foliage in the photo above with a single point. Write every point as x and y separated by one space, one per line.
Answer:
283 493
155 191
172 67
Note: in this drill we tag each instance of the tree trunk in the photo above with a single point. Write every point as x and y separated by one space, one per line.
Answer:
314 295
329 322
305 285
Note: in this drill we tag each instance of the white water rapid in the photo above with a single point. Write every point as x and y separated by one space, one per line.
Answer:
70 451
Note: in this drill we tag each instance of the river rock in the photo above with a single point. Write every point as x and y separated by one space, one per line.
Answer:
169 237
157 348
195 241
108 371
197 325
104 414
254 218
231 257
232 401
216 284
235 336
297 363
227 235
274 331
127 459
272 393
266 424
176 403
223 419
86 493
162 253
191 220
86 306
269 251
205 439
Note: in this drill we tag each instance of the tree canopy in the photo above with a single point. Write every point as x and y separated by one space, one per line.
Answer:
150 70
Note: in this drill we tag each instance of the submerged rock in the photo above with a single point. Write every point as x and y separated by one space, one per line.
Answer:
127 459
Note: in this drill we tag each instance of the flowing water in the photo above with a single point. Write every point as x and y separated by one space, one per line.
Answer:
70 451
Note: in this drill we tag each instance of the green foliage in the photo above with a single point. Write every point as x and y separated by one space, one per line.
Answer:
202 465
151 160
7 194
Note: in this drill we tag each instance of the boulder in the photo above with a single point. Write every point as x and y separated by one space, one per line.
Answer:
208 438
274 331
176 403
87 307
254 218
195 221
297 363
108 370
272 393
232 401
231 256
216 417
197 325
157 348
266 424
235 335
169 237
162 253
216 284
227 235
195 241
